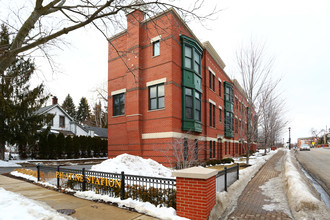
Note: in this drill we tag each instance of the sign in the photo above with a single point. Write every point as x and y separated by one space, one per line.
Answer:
101 181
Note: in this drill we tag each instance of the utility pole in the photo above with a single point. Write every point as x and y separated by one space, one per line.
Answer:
289 139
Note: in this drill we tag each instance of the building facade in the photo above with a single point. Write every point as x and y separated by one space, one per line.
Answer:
169 96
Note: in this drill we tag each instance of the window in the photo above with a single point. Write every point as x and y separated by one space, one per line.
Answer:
236 125
196 149
188 57
225 148
212 149
156 48
211 80
197 62
185 150
198 106
62 122
118 104
220 114
189 103
156 97
219 88
228 147
191 84
212 115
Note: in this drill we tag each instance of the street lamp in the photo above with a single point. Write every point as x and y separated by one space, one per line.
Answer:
289 139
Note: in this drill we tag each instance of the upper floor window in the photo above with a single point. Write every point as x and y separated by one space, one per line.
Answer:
212 115
219 88
198 106
197 62
188 57
62 121
156 97
156 48
189 103
211 81
119 104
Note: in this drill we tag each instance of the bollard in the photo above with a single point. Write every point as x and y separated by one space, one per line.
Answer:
84 180
237 171
58 179
38 171
226 179
122 191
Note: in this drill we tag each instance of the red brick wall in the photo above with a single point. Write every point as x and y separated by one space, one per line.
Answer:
195 197
135 52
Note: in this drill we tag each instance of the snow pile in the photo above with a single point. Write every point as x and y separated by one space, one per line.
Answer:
15 206
10 163
302 202
133 165
226 201
141 207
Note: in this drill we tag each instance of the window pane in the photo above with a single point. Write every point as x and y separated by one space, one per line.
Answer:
153 92
156 48
160 90
197 115
188 57
189 101
187 62
188 91
161 103
188 51
189 113
119 104
153 104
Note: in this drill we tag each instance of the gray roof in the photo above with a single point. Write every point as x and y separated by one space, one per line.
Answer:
101 132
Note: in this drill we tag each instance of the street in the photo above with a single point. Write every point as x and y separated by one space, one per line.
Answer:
9 169
317 163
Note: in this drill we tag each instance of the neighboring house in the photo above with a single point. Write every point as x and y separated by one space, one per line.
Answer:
62 122
175 91
97 132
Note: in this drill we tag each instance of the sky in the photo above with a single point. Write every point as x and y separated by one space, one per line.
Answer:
296 34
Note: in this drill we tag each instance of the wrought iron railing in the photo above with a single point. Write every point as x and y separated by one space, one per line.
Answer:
226 177
158 191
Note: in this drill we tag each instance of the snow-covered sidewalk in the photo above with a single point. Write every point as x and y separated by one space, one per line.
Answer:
16 206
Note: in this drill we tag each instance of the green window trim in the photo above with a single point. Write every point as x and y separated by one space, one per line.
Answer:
191 58
229 110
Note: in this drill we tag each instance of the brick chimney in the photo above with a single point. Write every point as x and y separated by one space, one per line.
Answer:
54 100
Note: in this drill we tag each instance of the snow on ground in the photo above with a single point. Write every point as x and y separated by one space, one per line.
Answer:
141 207
274 190
304 204
16 206
133 165
10 163
226 201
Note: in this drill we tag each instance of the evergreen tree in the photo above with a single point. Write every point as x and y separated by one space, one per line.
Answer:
83 113
18 122
69 106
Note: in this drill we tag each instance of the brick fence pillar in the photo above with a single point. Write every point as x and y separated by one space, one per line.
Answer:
196 192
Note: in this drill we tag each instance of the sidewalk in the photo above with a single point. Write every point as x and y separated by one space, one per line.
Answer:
84 209
250 203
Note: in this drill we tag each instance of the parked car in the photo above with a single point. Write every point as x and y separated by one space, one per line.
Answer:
305 147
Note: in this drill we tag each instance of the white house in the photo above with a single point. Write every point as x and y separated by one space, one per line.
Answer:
62 121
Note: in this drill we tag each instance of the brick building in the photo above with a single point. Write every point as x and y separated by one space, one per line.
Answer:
169 94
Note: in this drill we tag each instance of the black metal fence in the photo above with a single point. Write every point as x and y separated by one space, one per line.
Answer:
227 177
158 191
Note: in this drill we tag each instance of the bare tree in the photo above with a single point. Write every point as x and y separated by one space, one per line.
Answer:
271 119
182 152
255 69
36 25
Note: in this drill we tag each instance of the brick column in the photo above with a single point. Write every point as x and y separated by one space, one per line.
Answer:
196 192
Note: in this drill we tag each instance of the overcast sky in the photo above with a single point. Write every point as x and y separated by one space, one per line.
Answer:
296 34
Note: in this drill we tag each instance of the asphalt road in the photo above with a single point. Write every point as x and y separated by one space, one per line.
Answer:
317 163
